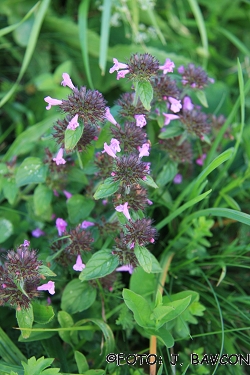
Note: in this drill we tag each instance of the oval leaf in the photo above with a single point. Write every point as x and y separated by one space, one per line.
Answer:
100 264
106 189
72 137
25 319
32 170
77 296
6 229
145 92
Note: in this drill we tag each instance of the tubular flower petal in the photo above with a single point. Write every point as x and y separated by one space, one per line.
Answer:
109 117
61 225
117 66
125 268
86 224
175 104
144 150
51 102
177 179
169 117
187 104
79 266
59 157
200 160
37 233
113 148
121 74
124 209
67 81
167 67
140 120
73 124
50 287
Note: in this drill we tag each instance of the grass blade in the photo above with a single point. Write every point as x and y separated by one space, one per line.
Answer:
30 47
177 212
83 30
105 29
8 350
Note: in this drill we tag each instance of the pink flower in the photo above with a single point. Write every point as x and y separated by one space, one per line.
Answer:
200 160
109 117
37 233
181 69
124 209
59 157
67 81
55 192
104 202
177 179
67 194
79 266
140 120
50 287
113 148
73 124
144 150
86 224
175 104
169 117
149 202
117 66
61 225
167 67
125 268
187 104
51 102
122 74
26 243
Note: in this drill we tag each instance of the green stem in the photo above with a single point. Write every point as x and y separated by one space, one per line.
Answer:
79 159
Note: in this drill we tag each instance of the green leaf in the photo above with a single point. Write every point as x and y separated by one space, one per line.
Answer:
46 271
107 188
81 361
32 170
202 98
105 30
140 307
25 320
146 260
71 137
172 130
145 92
79 207
167 173
37 367
150 182
42 199
77 296
170 311
65 320
101 263
10 189
231 202
9 352
42 314
164 336
6 229
142 283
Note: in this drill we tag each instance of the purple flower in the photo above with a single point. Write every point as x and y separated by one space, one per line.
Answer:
51 102
149 202
113 148
122 74
124 209
169 117
73 124
59 157
79 266
175 104
167 67
67 194
109 117
61 225
55 192
181 69
50 287
125 268
187 104
117 66
140 120
200 160
26 243
144 150
37 233
67 81
177 179
86 224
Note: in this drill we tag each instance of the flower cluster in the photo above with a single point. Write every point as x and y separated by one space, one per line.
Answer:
21 276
